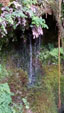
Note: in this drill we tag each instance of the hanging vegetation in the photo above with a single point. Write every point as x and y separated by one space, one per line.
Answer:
19 15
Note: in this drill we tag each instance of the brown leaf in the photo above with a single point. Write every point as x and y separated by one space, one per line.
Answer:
37 31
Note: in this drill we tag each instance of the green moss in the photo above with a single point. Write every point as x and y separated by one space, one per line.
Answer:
42 102
18 83
42 96
51 78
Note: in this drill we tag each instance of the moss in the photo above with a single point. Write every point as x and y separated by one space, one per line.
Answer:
42 101
51 78
18 83
42 97
51 72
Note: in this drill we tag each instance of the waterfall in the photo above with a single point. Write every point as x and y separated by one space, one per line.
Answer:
36 56
37 48
33 59
30 66
39 42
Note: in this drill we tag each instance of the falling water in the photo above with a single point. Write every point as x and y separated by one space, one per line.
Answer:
30 67
33 63
37 48
39 42
26 57
36 56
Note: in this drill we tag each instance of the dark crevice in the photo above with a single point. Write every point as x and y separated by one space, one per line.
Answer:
50 35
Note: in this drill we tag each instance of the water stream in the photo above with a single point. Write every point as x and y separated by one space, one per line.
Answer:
25 56
30 62
34 66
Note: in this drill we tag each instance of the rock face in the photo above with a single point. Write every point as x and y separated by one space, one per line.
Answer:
62 109
4 2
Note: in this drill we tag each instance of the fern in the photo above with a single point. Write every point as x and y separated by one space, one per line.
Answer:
3 71
5 99
29 2
39 22
50 55
9 19
18 14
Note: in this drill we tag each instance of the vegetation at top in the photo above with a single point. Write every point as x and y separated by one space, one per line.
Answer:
28 2
23 15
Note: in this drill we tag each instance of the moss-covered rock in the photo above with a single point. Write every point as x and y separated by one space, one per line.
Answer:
42 101
18 83
51 78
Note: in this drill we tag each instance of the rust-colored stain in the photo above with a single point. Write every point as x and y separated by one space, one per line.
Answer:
5 2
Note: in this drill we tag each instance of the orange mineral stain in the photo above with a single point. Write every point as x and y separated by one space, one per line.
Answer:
5 2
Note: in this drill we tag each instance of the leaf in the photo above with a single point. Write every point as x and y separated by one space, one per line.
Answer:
39 22
19 14
9 19
3 29
26 103
1 19
5 98
37 31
